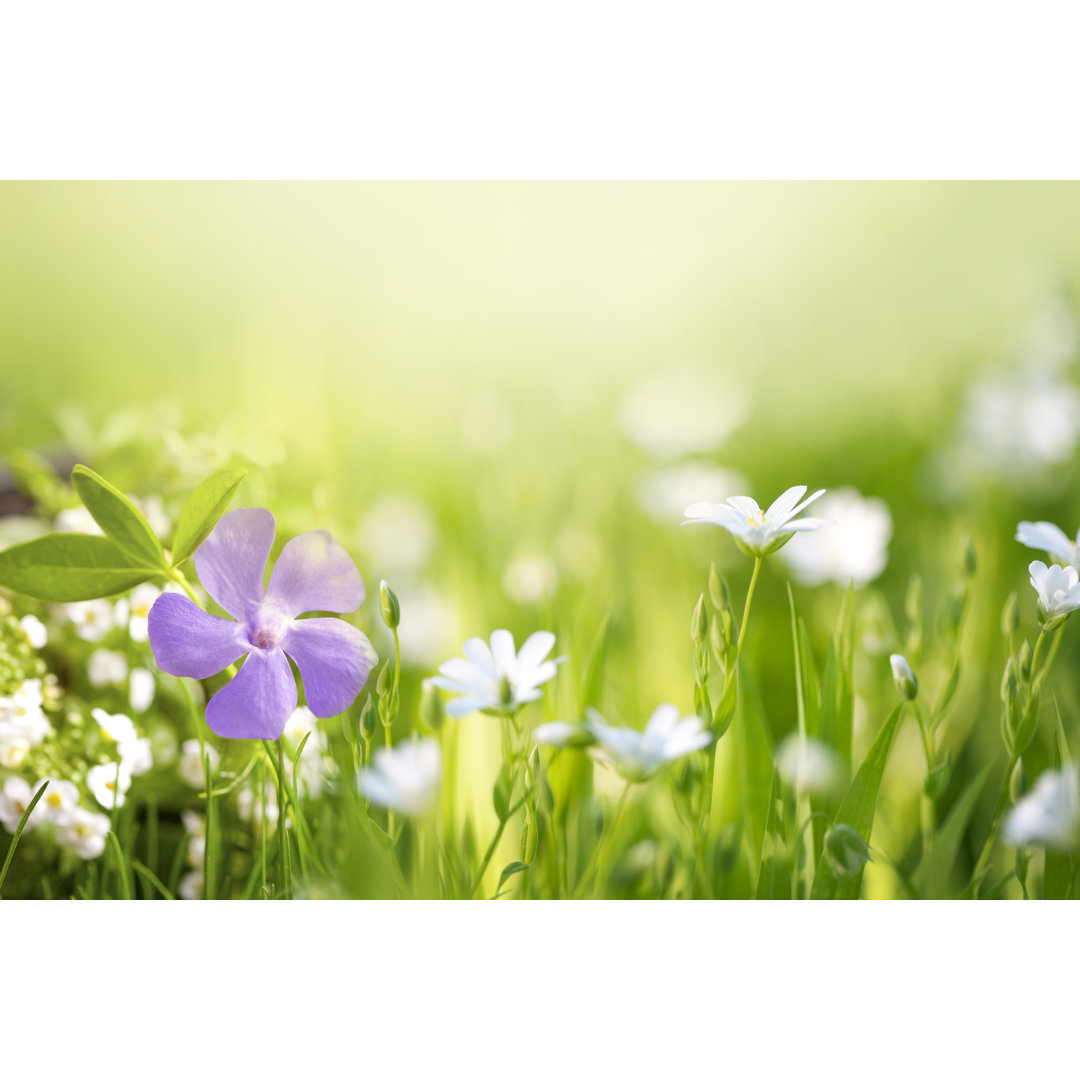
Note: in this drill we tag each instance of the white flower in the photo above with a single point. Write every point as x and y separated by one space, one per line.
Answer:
77 519
135 753
251 805
496 679
13 750
191 885
564 733
14 799
638 755
1049 814
1058 588
808 764
662 493
680 411
92 619
140 602
35 631
530 578
857 549
84 834
759 532
191 765
106 667
141 689
1045 536
60 802
310 767
22 723
904 677
404 778
109 783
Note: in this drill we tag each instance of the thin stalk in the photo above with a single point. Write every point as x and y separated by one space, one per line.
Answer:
984 856
494 844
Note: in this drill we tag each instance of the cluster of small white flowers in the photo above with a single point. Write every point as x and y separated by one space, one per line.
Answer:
23 723
192 884
109 783
79 830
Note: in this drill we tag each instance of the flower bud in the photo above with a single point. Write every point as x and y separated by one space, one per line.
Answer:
368 722
718 590
382 681
1025 662
389 606
1008 682
431 710
846 849
937 780
1010 616
699 622
717 642
904 677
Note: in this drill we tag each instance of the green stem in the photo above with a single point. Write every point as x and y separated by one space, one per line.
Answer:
598 872
1038 676
984 856
283 858
494 844
19 831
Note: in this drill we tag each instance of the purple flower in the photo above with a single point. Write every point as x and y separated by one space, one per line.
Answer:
313 573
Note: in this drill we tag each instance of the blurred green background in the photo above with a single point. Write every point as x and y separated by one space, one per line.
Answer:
486 389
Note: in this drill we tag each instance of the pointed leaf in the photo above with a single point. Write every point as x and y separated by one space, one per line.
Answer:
118 517
202 510
509 870
64 567
774 874
857 810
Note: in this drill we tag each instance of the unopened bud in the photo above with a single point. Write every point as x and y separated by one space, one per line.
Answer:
1025 662
383 679
846 850
904 677
1008 682
1010 616
389 606
368 719
718 590
431 710
699 622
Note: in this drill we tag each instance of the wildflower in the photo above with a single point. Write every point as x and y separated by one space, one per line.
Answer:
313 573
14 799
1050 813
255 805
564 733
857 549
1058 588
404 778
141 689
191 763
904 677
35 631
23 725
1045 536
639 755
109 783
140 602
84 834
92 619
191 885
759 532
60 803
106 667
495 679
808 764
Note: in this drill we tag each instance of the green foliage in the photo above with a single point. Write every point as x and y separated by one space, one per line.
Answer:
202 510
118 517
65 567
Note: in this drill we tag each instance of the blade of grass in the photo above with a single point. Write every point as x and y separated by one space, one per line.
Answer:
19 831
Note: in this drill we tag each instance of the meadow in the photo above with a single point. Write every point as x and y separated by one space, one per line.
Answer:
521 645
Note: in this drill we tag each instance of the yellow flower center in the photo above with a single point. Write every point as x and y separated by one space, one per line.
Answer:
54 800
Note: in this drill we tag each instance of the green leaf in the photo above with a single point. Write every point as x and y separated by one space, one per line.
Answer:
63 567
932 876
753 757
118 517
19 831
202 510
774 873
857 810
509 870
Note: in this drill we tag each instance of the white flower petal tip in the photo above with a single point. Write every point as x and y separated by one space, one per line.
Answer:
1050 814
495 678
404 778
1058 589
759 532
639 755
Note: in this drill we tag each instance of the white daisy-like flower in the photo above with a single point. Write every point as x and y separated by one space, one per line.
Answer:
106 668
92 619
855 550
141 689
405 777
1050 813
1045 536
1058 588
60 803
35 631
191 765
84 834
140 602
15 797
190 886
23 724
496 679
109 783
639 755
759 532
808 765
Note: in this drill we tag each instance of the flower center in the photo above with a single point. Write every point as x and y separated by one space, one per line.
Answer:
268 627
756 520
264 638
506 692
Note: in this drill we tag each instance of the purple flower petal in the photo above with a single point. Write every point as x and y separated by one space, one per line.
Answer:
231 563
189 642
257 703
334 659
315 573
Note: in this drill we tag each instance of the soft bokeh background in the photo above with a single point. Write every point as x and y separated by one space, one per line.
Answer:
501 396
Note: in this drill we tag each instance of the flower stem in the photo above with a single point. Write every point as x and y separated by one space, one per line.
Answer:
494 844
984 856
283 855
